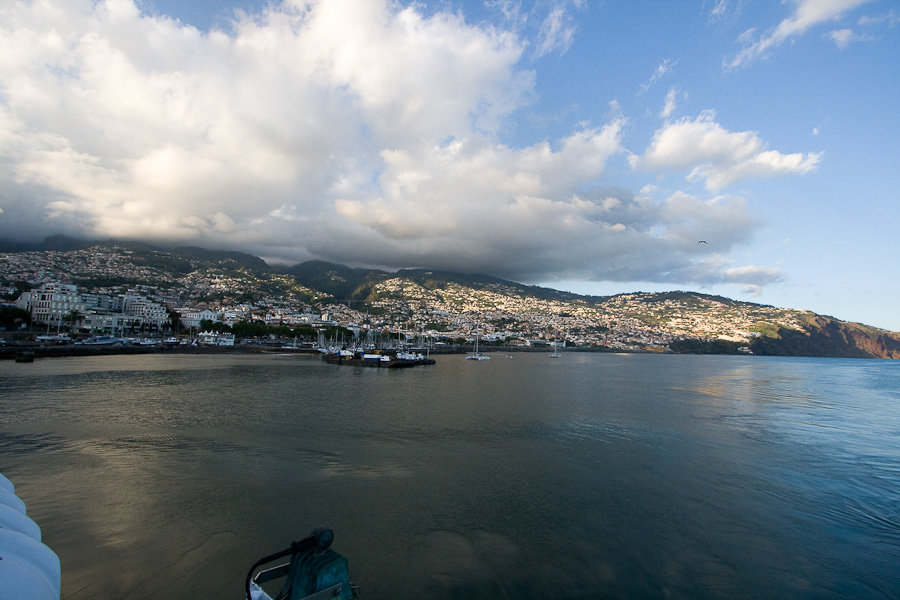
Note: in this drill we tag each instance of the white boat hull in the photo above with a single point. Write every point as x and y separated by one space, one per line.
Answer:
28 569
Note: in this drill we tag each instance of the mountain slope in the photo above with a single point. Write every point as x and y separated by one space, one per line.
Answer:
356 284
450 302
343 283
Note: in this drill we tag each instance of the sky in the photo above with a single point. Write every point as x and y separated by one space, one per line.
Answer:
735 147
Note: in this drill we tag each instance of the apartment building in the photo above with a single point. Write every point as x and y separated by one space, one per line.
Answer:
56 303
52 303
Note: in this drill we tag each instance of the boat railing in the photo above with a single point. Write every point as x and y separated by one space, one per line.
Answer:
314 571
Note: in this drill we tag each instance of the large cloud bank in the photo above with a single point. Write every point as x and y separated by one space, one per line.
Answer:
349 130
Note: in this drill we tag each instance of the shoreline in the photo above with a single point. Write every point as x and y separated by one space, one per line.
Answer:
34 350
62 351
28 351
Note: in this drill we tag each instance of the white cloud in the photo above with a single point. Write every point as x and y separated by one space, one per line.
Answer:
661 70
717 12
891 19
670 103
479 194
841 37
557 33
357 131
551 24
807 14
752 278
126 115
715 155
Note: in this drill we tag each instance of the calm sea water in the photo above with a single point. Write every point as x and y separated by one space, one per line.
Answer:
590 476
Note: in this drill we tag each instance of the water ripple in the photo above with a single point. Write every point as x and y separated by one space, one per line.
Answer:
33 443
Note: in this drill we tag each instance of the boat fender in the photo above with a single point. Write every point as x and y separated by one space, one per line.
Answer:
12 519
28 568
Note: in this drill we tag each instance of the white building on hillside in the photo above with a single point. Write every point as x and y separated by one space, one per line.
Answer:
191 318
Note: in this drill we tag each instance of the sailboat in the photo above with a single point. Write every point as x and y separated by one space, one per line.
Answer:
556 353
476 355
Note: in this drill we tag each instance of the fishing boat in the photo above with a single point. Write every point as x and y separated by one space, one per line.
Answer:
313 572
28 568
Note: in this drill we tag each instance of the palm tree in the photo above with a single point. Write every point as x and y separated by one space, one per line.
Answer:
73 317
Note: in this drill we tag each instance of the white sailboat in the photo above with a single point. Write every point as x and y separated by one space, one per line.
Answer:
476 355
556 353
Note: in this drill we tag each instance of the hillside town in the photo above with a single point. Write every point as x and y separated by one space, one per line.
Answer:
112 290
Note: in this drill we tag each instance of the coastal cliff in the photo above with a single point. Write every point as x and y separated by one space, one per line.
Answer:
825 336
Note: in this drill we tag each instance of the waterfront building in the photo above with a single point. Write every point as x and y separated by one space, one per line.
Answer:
52 303
110 321
56 303
150 313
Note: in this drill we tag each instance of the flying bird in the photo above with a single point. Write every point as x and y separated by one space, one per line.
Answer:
702 242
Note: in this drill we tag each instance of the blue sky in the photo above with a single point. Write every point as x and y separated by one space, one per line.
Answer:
586 146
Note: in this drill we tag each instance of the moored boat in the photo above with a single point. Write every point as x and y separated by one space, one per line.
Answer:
99 340
476 355
56 338
378 359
